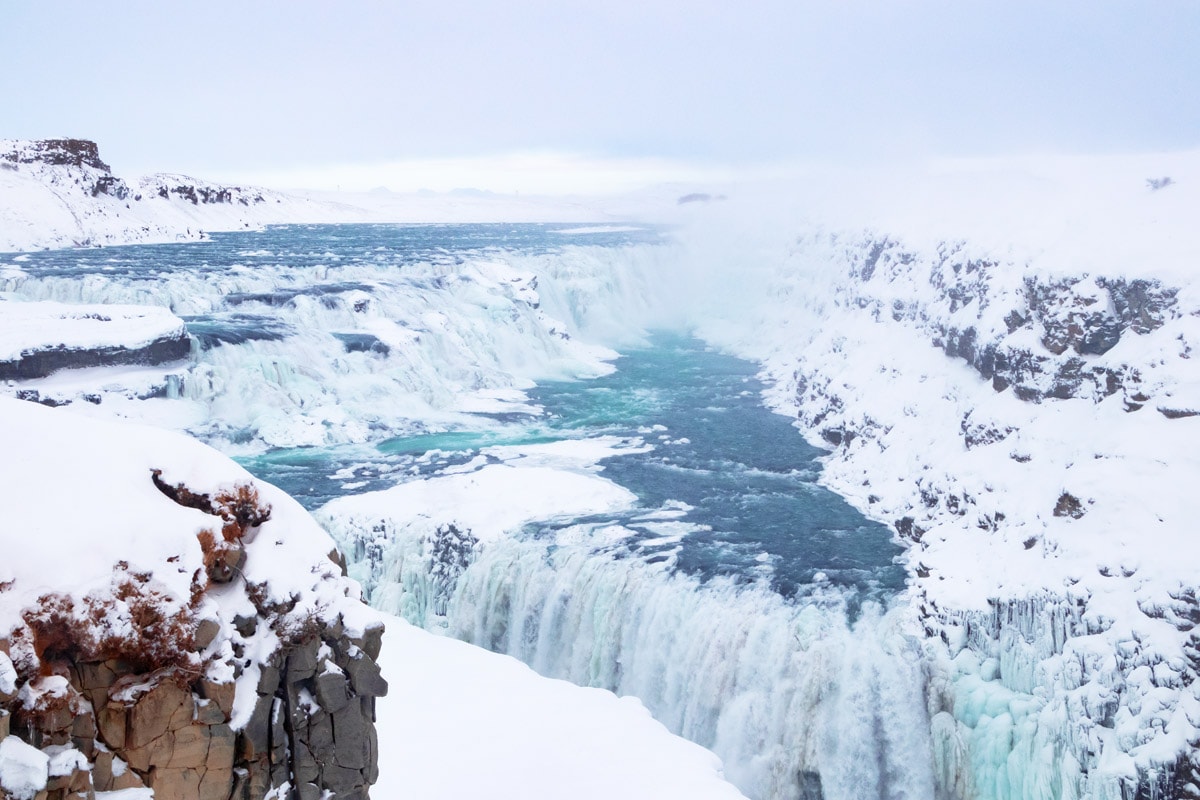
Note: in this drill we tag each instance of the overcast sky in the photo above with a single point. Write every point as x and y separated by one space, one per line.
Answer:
324 91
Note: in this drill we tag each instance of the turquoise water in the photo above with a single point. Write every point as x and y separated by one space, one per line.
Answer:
746 476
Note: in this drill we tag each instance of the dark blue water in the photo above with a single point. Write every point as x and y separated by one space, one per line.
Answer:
745 475
305 246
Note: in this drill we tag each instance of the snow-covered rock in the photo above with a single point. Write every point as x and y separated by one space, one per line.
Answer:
38 339
164 614
59 193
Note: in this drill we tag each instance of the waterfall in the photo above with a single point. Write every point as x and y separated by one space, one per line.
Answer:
798 701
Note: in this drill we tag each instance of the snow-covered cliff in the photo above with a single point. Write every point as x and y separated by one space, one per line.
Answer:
59 193
1022 406
167 622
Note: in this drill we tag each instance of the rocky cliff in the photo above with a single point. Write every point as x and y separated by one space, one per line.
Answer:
55 152
201 642
60 193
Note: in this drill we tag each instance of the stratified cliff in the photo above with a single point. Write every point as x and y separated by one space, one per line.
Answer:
168 622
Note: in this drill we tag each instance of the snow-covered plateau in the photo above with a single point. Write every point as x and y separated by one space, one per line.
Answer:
998 357
59 193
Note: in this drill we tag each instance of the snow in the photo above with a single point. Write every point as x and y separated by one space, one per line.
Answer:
497 401
462 722
27 327
24 770
31 693
1051 622
8 675
489 501
65 759
97 462
126 794
116 522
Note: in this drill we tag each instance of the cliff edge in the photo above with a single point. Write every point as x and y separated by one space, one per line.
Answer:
60 193
168 622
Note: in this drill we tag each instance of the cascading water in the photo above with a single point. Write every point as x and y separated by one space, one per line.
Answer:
742 603
328 335
746 606
791 696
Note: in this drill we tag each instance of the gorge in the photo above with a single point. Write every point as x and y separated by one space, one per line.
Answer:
967 574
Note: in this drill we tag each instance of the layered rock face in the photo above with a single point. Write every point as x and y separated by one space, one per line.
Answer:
38 363
203 642
196 192
59 193
105 725
56 152
1042 335
38 339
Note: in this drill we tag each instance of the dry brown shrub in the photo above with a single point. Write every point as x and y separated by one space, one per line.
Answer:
242 509
54 629
200 584
181 494
132 621
160 632
293 629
